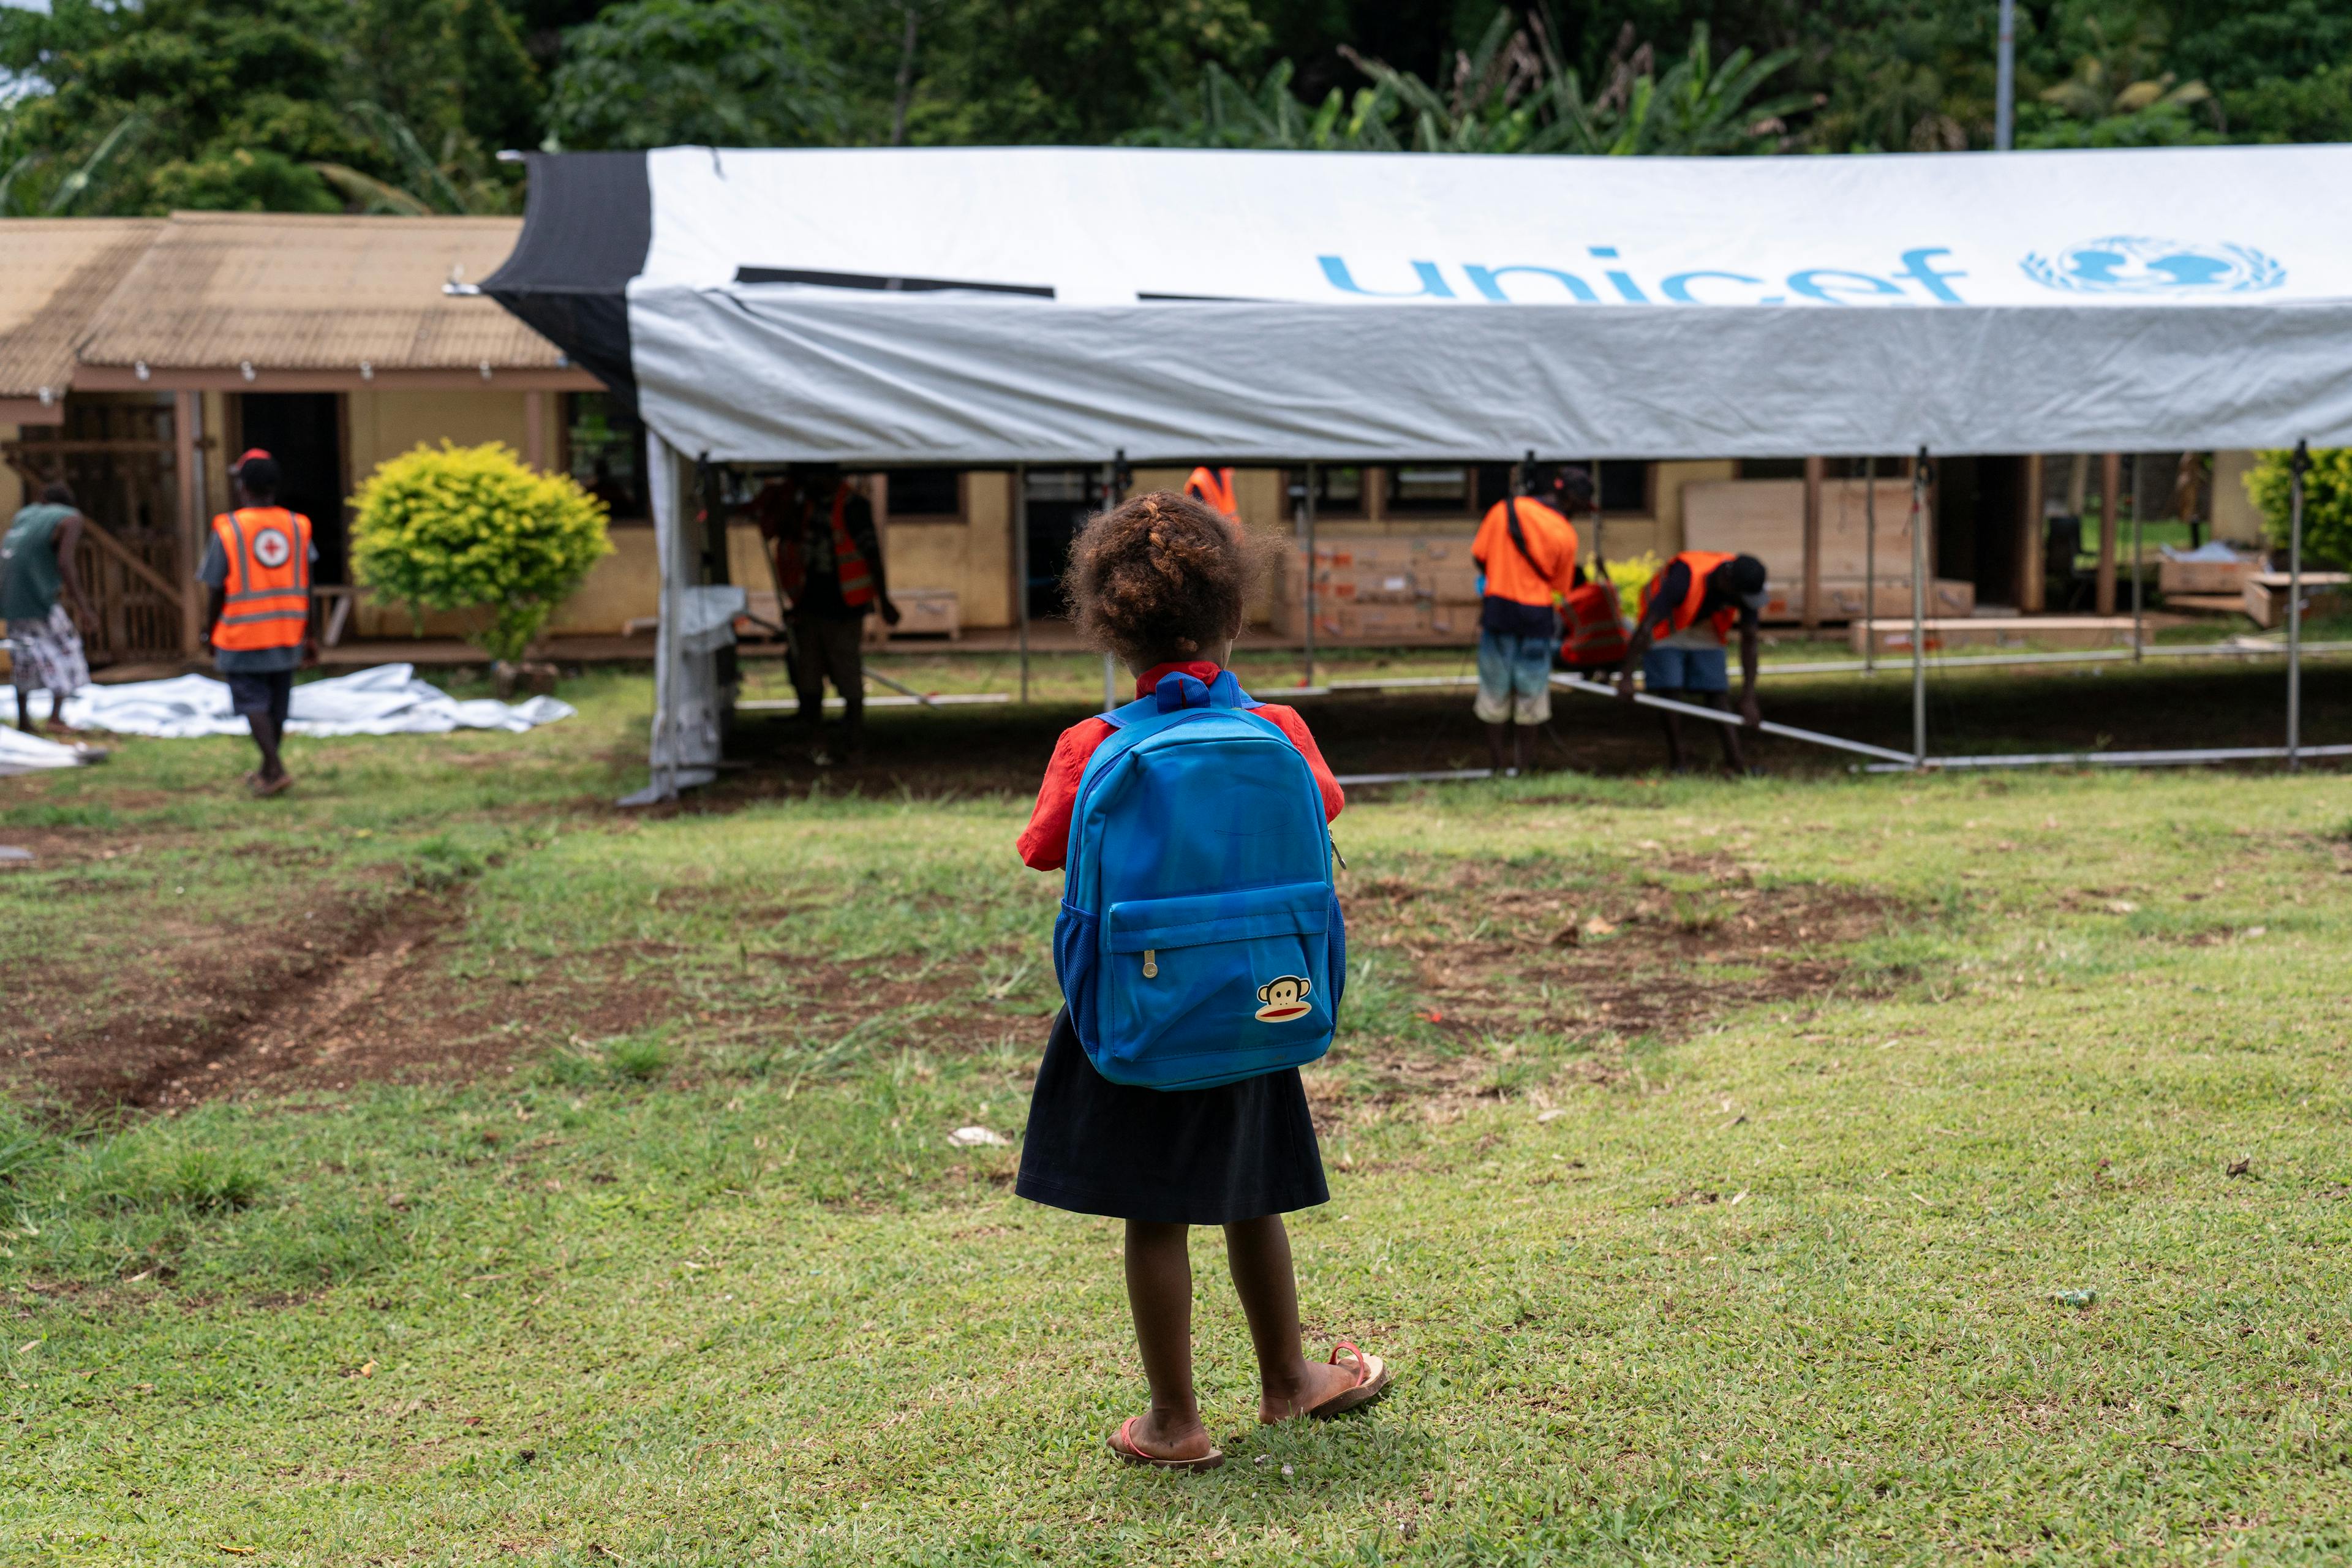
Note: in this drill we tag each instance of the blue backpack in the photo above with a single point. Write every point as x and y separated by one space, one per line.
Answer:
1200 940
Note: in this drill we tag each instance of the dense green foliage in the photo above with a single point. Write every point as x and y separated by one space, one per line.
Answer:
2326 502
720 73
283 105
388 106
471 528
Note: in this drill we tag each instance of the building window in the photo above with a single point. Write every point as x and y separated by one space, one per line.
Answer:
1625 488
1339 492
1451 488
926 493
607 444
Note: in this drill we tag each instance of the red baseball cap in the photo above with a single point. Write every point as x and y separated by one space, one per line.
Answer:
247 456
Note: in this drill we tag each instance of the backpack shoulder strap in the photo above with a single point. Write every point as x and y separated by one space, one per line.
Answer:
1518 536
1134 712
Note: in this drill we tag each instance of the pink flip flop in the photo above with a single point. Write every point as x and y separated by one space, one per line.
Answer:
1372 1376
1122 1443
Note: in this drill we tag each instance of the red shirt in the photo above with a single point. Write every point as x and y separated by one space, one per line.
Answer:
1046 839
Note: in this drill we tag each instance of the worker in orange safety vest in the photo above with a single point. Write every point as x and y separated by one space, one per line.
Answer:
1525 551
1688 611
1214 488
829 566
257 576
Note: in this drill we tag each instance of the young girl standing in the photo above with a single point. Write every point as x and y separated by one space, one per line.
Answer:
1161 582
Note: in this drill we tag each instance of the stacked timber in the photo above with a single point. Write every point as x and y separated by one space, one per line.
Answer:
1765 519
1403 590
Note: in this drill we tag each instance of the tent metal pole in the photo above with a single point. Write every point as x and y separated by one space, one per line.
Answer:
1110 665
2295 609
1599 554
1307 527
2190 757
1870 566
2139 617
1021 566
1719 716
1919 610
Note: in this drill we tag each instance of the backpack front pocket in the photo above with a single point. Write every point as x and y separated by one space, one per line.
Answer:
1215 986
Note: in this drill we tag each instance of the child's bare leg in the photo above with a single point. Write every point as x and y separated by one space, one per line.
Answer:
1160 1294
1258 1251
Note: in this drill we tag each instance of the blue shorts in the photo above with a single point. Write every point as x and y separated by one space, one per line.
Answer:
1685 670
1514 678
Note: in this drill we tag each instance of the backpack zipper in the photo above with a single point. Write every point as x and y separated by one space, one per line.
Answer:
1151 963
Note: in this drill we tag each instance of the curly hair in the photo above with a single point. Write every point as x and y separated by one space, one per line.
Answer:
1158 579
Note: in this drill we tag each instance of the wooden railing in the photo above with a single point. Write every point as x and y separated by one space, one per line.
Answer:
138 609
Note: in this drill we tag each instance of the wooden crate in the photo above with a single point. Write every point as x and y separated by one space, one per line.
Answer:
1893 636
2206 576
1765 519
2266 596
1842 601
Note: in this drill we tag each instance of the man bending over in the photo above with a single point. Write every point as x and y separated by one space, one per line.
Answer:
1687 611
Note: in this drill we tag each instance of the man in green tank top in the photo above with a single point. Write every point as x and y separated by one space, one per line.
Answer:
39 598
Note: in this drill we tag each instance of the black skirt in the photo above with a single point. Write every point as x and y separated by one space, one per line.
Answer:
1196 1156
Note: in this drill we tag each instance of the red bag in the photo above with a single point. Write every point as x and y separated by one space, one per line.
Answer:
1593 632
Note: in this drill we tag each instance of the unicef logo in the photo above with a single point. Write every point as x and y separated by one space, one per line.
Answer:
2135 264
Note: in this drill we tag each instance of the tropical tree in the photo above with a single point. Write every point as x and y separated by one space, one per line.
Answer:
2327 503
2117 94
722 73
263 104
1227 112
1510 93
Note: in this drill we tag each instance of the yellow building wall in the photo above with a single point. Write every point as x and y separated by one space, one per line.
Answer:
11 488
2235 518
386 424
382 424
972 558
1662 533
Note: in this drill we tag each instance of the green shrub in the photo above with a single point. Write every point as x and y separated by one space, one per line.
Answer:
472 529
2326 502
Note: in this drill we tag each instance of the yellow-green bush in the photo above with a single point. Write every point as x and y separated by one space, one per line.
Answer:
473 529
1629 577
2326 502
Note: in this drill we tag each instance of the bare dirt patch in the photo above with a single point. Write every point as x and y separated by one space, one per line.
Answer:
1499 979
1507 962
346 988
968 1004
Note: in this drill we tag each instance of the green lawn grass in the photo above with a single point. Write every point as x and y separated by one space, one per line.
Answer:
1944 1262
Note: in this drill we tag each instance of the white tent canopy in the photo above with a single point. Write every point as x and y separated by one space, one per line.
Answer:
979 306
990 306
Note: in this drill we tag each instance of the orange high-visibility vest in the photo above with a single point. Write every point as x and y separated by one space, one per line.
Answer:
1214 488
1701 562
266 596
848 561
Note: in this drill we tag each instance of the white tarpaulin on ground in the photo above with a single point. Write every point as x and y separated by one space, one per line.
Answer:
23 754
980 305
386 700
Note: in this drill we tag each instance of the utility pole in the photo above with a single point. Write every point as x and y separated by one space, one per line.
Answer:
2004 92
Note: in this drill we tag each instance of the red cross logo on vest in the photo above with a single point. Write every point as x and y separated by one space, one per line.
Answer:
271 547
